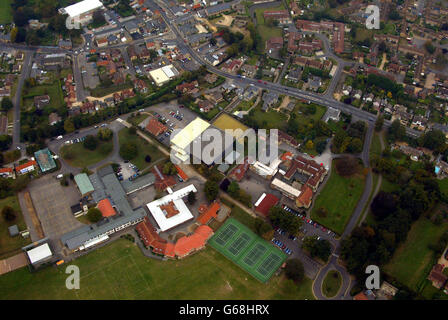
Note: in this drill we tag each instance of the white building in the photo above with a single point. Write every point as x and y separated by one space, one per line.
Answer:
180 143
171 211
164 74
266 171
285 188
81 12
39 254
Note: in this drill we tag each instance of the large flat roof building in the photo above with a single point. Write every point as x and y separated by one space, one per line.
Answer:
164 74
171 211
181 141
82 8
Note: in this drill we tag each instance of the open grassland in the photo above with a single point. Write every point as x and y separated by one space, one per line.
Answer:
78 156
10 246
339 197
413 259
120 271
5 11
144 148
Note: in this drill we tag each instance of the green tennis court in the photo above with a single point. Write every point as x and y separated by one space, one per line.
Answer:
252 253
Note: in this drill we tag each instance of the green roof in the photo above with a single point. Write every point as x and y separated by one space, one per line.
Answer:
45 160
84 184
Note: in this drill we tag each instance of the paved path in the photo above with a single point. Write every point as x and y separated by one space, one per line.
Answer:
13 263
333 263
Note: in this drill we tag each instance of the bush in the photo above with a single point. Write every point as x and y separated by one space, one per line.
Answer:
147 158
8 213
94 215
128 151
90 142
294 270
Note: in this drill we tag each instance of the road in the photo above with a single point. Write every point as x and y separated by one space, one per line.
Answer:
333 264
26 69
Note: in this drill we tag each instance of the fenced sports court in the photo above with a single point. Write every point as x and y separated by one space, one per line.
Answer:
252 253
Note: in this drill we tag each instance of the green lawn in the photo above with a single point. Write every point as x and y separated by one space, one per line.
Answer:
144 148
332 283
413 259
78 156
268 120
120 271
54 90
5 11
339 197
375 148
11 246
137 119
443 185
265 31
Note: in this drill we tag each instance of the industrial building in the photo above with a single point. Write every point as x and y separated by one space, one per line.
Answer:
164 74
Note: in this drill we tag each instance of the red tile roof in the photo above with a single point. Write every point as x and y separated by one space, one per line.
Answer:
181 173
155 127
240 170
26 165
2 170
267 203
305 197
360 296
106 208
211 212
197 240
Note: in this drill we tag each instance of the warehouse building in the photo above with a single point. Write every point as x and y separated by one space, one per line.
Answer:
82 11
164 74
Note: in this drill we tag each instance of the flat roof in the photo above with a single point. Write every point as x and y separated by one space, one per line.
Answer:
286 187
175 198
83 183
39 253
159 76
82 7
194 129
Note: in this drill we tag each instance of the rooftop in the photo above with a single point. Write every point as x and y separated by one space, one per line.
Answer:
82 7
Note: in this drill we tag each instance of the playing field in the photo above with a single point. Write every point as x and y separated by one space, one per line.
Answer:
225 121
246 249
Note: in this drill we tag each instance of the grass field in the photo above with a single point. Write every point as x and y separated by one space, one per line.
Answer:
303 120
443 185
413 260
137 119
5 11
144 148
265 31
270 119
11 246
78 156
120 271
54 90
332 283
255 255
339 196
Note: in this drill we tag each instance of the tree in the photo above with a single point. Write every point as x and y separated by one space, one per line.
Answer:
294 270
355 145
317 248
347 166
69 126
191 198
90 142
262 228
379 123
213 41
383 204
98 18
128 151
233 189
434 140
94 215
132 130
169 169
309 145
105 134
7 104
148 158
5 142
397 131
284 220
211 190
8 213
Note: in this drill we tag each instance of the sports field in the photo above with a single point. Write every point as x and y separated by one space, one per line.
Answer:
225 121
258 257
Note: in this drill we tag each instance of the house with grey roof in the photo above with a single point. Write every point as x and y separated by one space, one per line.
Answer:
269 99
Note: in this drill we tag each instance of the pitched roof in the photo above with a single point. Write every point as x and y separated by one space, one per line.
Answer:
267 203
211 212
26 165
106 208
197 240
304 199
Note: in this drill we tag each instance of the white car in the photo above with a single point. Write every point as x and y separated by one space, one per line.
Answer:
58 137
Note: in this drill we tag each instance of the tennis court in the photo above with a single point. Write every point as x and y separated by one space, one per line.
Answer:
252 253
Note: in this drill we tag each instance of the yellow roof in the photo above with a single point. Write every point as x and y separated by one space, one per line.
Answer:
189 133
159 76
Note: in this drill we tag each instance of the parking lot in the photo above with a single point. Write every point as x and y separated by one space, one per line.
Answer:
52 203
186 116
256 185
127 170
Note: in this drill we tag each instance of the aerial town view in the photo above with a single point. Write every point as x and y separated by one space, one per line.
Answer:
224 150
